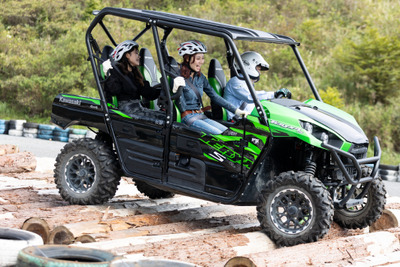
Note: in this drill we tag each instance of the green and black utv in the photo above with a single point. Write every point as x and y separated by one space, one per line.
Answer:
302 164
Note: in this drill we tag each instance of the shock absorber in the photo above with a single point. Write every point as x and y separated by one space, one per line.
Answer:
311 168
311 165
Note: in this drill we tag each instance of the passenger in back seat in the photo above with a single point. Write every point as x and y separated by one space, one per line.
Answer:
127 83
190 102
125 80
236 90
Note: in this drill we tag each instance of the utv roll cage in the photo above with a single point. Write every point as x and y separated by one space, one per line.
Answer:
168 22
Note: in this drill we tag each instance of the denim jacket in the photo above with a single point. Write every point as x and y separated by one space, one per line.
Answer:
189 101
237 92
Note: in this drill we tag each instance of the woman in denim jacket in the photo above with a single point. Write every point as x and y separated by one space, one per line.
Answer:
190 103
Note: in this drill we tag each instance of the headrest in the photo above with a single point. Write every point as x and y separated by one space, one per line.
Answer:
215 71
105 54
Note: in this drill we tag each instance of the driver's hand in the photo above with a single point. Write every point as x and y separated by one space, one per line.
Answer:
178 81
106 66
283 92
241 113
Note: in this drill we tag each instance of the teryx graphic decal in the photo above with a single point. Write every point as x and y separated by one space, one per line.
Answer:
222 152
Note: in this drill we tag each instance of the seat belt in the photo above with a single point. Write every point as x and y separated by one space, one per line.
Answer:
196 91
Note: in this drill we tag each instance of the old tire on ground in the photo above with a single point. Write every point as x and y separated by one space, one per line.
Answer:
86 172
62 255
12 241
151 191
368 212
295 208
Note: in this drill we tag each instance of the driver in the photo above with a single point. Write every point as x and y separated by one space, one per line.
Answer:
236 91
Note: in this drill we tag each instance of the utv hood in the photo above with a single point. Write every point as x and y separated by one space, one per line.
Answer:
333 118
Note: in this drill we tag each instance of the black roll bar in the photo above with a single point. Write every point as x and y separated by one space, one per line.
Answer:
306 73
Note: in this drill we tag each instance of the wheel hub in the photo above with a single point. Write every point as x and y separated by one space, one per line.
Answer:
80 173
291 211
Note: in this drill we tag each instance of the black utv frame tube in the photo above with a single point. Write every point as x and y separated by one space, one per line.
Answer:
356 162
148 26
354 182
107 32
168 123
259 108
103 101
306 73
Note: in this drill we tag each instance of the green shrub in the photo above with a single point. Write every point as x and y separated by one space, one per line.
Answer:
372 65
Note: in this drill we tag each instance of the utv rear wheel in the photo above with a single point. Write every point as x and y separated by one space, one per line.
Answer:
295 208
367 211
86 172
151 191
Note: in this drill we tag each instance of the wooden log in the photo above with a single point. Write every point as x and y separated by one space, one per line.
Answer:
85 239
60 235
240 261
390 219
67 233
17 162
8 149
38 226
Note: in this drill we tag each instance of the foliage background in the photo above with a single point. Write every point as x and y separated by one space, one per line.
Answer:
351 49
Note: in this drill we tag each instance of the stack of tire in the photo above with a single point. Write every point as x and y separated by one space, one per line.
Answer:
76 134
30 129
45 131
60 134
4 126
15 127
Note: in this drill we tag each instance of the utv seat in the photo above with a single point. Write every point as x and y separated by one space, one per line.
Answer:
149 70
105 55
217 79
172 69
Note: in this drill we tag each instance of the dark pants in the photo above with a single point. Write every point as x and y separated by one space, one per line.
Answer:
134 109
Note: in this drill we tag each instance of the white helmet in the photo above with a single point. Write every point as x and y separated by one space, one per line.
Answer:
123 47
251 60
191 47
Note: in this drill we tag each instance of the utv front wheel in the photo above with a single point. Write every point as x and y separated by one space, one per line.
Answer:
152 192
367 209
86 172
295 208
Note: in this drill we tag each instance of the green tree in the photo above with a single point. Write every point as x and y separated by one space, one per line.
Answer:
372 65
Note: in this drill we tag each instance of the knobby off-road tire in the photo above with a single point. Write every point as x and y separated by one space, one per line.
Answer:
63 256
295 208
152 192
86 172
367 213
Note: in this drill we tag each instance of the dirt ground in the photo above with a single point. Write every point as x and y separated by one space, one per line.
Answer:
202 233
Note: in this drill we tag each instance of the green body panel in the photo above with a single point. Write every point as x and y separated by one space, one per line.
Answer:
95 101
331 109
285 122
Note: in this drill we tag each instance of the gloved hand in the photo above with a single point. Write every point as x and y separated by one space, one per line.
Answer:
283 92
106 66
241 113
178 81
